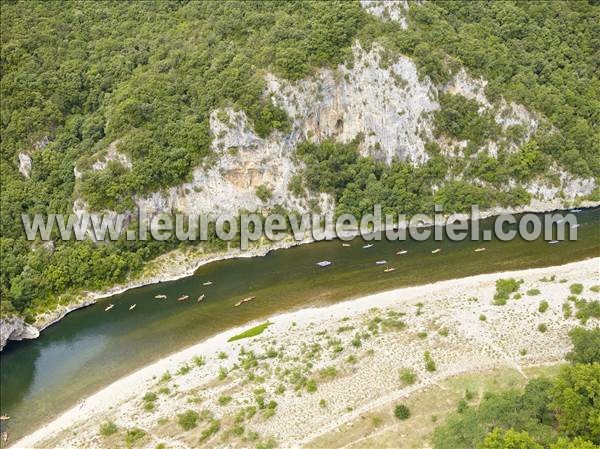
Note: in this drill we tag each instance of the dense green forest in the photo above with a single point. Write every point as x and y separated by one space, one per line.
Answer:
77 76
563 413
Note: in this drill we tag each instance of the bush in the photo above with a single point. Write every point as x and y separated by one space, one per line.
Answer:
402 412
134 435
482 317
188 419
328 372
224 400
108 428
576 289
542 328
504 287
263 193
408 376
429 363
533 292
311 386
543 306
213 428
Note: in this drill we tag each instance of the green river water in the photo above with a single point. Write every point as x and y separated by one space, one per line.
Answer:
90 348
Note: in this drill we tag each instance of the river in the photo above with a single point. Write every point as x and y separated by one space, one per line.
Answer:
90 348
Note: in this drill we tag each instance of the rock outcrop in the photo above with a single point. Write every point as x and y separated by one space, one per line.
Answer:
15 328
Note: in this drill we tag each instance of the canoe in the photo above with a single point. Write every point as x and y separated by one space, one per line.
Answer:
109 307
368 246
387 270
207 283
160 297
131 307
402 252
324 263
435 251
201 298
183 298
478 250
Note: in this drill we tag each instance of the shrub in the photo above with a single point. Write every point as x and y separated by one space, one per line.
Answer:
402 412
543 306
188 419
311 386
184 369
322 403
482 317
134 435
504 287
224 400
567 310
533 292
263 193
199 360
108 428
408 376
542 327
429 363
328 372
213 428
576 289
443 332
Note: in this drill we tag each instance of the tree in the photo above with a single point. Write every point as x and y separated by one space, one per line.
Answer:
509 439
586 345
576 401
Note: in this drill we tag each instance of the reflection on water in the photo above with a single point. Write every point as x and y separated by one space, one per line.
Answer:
90 347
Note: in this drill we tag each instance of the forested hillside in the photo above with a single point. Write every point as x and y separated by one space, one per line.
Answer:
146 77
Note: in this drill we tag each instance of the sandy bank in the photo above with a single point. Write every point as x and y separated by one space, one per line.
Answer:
360 345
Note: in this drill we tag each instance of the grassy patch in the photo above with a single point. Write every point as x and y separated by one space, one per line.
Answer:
252 332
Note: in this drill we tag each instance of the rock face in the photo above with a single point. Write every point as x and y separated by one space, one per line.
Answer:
390 107
386 103
25 164
15 328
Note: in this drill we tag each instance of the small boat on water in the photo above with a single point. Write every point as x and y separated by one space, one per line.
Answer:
324 263
575 226
239 303
381 262
387 270
160 297
109 307
207 283
250 298
345 244
368 246
4 418
478 250
132 306
402 252
435 251
552 242
575 211
201 298
183 298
